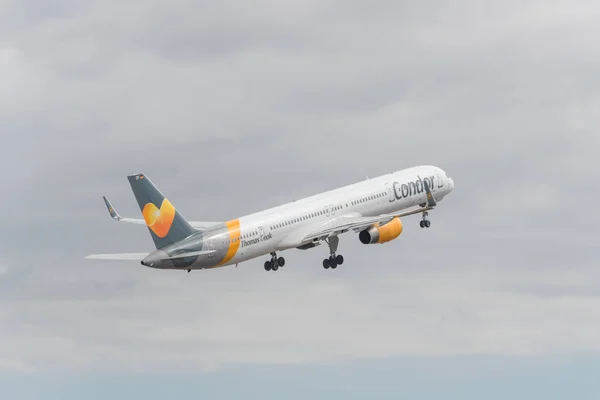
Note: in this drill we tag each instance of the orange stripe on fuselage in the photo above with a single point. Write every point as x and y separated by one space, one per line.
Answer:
233 227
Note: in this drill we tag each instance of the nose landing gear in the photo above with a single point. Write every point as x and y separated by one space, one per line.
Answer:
425 223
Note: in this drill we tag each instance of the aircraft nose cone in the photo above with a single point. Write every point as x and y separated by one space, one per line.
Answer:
451 184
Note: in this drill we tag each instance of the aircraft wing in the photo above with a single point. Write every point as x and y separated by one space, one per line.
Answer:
140 221
344 224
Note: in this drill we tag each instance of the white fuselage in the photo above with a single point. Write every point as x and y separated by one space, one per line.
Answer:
285 226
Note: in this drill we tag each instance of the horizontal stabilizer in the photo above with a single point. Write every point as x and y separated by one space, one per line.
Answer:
122 256
193 254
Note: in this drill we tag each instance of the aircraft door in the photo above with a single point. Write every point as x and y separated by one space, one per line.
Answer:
391 195
438 186
264 232
210 246
440 180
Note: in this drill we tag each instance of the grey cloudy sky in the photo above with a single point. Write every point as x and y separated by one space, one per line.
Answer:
233 107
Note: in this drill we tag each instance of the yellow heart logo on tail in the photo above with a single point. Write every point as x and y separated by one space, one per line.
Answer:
159 220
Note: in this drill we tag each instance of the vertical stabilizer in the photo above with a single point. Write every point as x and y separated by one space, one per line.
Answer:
165 223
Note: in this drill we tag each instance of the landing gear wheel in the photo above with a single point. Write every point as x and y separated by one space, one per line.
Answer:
281 261
267 265
425 223
274 266
334 260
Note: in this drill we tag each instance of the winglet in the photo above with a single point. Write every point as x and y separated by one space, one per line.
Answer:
430 200
111 210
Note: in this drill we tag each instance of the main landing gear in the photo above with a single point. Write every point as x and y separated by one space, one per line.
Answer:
334 260
274 263
425 223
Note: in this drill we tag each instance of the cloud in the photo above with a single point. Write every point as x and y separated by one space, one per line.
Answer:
234 108
202 321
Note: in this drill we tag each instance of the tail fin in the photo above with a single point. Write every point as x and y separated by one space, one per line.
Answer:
165 223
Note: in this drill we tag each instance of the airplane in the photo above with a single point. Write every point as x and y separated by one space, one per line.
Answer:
372 208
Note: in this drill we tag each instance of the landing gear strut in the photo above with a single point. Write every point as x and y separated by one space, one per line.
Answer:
274 263
334 260
425 223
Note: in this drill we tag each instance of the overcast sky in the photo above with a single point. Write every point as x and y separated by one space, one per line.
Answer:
232 107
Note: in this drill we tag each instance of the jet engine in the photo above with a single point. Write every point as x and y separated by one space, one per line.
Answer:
381 234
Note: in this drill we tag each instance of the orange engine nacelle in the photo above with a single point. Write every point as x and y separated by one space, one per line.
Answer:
381 234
